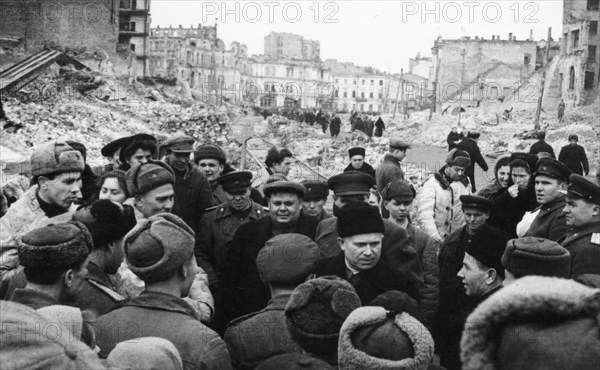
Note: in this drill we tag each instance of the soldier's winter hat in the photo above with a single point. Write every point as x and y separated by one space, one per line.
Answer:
158 246
144 177
459 158
316 311
287 259
536 256
374 338
56 157
55 246
399 190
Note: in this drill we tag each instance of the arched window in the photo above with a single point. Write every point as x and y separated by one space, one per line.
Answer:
572 78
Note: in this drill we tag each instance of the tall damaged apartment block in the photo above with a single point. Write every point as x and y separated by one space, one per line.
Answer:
578 71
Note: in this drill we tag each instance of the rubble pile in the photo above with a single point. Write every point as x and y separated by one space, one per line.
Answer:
94 110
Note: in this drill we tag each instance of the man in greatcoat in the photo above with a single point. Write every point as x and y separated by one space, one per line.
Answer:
242 290
54 260
193 194
160 251
255 337
551 177
396 250
573 156
452 295
582 211
360 232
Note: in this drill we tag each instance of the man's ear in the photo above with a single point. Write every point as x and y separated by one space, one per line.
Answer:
491 276
43 182
385 204
341 243
596 210
563 186
68 277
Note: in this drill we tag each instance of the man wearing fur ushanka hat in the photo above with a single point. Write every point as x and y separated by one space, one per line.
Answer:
360 234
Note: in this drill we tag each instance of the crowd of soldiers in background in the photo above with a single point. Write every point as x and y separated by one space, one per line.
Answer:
169 258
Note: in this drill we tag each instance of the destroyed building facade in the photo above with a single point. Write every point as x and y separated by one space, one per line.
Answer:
481 70
284 44
77 26
577 71
134 31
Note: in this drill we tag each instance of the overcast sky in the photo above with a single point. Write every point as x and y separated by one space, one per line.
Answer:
382 34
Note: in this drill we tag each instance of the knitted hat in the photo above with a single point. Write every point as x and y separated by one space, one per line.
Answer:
106 221
397 301
536 256
294 361
539 323
210 151
145 353
316 311
459 158
30 341
144 177
356 151
315 190
287 259
374 338
158 246
56 157
358 218
56 246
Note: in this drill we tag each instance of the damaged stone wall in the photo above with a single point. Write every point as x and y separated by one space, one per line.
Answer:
81 26
492 69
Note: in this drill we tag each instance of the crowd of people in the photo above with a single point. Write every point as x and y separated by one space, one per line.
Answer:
169 258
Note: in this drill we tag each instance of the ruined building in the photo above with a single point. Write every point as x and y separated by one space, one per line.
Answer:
577 71
196 55
369 90
77 26
283 44
481 70
134 30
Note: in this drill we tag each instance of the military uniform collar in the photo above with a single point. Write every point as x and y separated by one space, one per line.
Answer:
391 158
164 302
223 211
555 204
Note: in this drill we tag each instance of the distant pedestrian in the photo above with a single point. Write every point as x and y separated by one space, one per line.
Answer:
335 125
454 137
469 145
541 145
379 127
574 157
561 110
